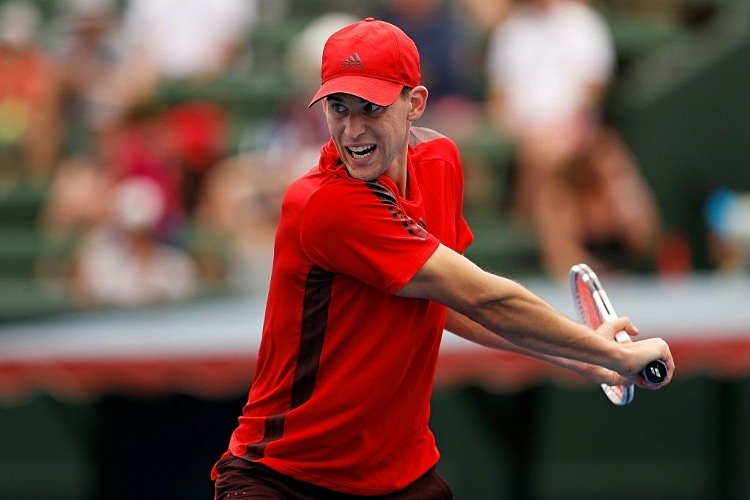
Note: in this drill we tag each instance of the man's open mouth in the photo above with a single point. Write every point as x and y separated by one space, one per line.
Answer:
360 151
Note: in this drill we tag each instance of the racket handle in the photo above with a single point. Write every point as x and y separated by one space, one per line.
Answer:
655 372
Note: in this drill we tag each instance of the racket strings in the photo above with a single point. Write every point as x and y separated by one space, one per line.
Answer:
587 307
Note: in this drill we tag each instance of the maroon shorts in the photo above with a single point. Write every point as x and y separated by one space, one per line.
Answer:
239 478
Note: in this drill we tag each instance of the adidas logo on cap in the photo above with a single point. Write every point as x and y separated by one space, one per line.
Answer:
353 61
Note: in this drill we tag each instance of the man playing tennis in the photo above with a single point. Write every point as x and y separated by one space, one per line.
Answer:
367 274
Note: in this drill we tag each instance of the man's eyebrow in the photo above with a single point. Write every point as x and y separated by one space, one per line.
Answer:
359 100
338 97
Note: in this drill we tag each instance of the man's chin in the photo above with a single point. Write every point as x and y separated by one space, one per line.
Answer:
363 174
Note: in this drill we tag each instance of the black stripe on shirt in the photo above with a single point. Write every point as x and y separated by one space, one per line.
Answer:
388 199
274 429
314 323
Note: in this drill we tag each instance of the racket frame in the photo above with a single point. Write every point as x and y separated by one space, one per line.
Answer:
619 395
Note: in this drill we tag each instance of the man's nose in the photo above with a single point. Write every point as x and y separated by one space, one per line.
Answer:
355 125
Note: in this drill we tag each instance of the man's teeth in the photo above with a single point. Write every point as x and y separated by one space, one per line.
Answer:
361 150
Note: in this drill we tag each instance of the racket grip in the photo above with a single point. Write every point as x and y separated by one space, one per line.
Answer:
655 372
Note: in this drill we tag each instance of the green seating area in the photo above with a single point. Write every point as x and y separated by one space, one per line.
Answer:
252 96
22 245
686 122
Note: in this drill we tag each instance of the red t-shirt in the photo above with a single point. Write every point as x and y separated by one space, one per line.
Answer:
345 370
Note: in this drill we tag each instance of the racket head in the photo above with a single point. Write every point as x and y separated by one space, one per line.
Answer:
593 309
583 283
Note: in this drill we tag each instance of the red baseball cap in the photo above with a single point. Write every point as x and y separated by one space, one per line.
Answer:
370 59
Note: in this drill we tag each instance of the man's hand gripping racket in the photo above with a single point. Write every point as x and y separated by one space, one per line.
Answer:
594 308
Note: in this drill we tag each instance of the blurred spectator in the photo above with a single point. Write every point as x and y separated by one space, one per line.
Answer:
115 67
450 59
196 134
487 14
549 66
183 42
75 202
122 262
178 40
240 200
727 218
89 58
29 111
142 147
296 126
236 219
443 48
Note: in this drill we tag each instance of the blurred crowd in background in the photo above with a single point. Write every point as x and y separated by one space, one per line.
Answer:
162 133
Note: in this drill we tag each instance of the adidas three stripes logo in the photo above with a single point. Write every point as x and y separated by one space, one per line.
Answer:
353 61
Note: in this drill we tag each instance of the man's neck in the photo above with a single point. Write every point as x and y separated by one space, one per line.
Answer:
399 174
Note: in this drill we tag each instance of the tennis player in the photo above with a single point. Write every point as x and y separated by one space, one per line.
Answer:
367 274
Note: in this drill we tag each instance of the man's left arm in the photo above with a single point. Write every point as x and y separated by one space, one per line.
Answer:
460 325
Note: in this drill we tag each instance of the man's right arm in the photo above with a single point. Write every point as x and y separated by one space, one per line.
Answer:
506 308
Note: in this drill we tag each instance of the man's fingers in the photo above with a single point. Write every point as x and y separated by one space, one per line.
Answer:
612 329
624 324
646 351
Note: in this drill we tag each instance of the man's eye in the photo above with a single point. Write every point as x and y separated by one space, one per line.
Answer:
338 108
371 108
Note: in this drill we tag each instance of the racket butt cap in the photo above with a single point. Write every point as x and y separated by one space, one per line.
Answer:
655 372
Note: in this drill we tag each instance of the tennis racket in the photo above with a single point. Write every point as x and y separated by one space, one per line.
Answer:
594 308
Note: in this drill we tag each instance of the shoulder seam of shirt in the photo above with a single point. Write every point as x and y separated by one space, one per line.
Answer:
419 135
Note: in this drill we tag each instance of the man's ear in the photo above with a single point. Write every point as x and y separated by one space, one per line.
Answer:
418 100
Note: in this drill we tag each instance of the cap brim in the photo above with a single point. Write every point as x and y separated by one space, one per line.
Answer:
380 92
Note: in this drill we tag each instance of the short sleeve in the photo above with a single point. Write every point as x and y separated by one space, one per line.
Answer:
358 229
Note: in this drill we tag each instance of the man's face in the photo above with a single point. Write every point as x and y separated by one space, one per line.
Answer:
370 139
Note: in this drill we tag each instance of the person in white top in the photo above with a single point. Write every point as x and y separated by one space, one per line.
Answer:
185 39
122 263
549 66
551 60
